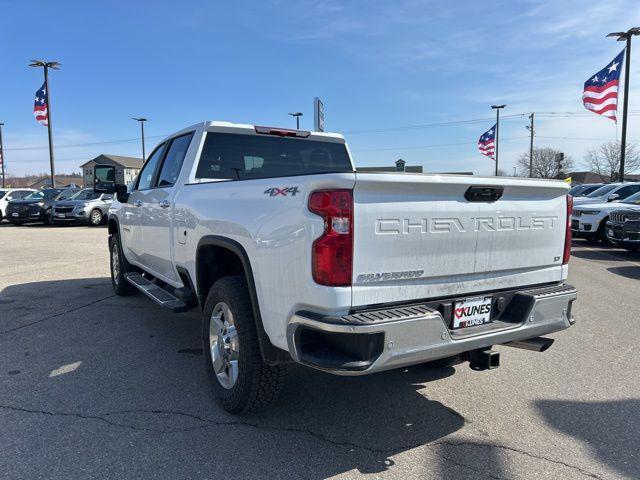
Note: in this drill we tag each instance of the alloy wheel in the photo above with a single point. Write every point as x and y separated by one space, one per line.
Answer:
224 345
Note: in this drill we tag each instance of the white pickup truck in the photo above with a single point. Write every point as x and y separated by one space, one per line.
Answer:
292 255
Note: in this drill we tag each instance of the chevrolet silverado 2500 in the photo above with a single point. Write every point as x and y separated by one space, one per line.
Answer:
292 255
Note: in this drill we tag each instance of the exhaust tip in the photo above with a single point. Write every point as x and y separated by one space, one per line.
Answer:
537 344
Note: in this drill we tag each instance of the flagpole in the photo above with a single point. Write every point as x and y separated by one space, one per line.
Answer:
497 109
2 154
625 104
622 36
48 97
46 66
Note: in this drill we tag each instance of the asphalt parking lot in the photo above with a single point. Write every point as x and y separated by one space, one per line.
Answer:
98 386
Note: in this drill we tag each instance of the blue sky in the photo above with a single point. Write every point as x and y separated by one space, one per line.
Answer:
378 66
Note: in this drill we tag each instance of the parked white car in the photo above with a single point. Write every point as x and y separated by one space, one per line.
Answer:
589 220
611 192
8 194
293 256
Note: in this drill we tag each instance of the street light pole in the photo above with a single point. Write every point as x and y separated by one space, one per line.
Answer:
530 127
2 154
46 66
297 116
497 108
141 120
625 37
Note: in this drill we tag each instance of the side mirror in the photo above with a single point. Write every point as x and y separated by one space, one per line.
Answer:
613 197
104 179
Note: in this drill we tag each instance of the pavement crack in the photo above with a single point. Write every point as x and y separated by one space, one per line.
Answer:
206 422
73 415
55 315
454 443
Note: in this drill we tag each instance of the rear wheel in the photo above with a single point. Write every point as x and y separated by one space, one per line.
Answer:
242 382
119 266
95 217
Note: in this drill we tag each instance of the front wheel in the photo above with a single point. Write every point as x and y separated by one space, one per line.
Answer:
95 217
119 266
242 382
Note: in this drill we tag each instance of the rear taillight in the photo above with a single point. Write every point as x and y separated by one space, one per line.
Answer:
332 253
567 235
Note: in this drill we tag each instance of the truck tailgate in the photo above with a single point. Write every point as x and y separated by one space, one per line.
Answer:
418 237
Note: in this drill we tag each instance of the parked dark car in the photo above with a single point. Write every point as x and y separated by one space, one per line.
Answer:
584 189
36 207
623 228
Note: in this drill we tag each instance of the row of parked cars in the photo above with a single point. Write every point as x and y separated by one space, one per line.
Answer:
607 213
54 205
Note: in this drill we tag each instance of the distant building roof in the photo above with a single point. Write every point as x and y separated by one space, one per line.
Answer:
61 182
116 160
591 177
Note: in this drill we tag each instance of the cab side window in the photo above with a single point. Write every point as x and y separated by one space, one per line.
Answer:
173 160
145 179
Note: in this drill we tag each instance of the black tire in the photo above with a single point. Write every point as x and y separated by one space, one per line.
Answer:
96 217
601 236
120 284
258 383
445 362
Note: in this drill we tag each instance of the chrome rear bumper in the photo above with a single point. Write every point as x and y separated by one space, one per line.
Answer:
384 339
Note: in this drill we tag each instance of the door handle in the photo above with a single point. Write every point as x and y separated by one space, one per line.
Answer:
165 204
137 203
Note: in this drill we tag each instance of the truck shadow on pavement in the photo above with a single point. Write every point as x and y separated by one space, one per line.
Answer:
131 376
611 430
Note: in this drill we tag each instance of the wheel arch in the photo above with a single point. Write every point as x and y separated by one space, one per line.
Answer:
231 258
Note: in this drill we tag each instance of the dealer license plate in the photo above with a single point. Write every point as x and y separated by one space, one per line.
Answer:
61 215
610 232
14 214
471 312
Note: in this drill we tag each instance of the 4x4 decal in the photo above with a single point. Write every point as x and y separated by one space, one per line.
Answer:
275 191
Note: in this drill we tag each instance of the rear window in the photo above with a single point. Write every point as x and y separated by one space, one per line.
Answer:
229 156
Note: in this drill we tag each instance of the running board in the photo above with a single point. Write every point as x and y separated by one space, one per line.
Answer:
155 293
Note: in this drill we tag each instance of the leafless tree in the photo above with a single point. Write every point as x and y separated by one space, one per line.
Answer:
605 160
547 163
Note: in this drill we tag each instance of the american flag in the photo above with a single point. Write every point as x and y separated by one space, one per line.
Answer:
601 91
486 143
40 107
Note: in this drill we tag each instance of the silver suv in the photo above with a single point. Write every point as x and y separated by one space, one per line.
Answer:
86 206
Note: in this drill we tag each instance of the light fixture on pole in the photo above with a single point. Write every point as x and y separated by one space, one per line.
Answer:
625 37
297 116
497 108
141 120
46 66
